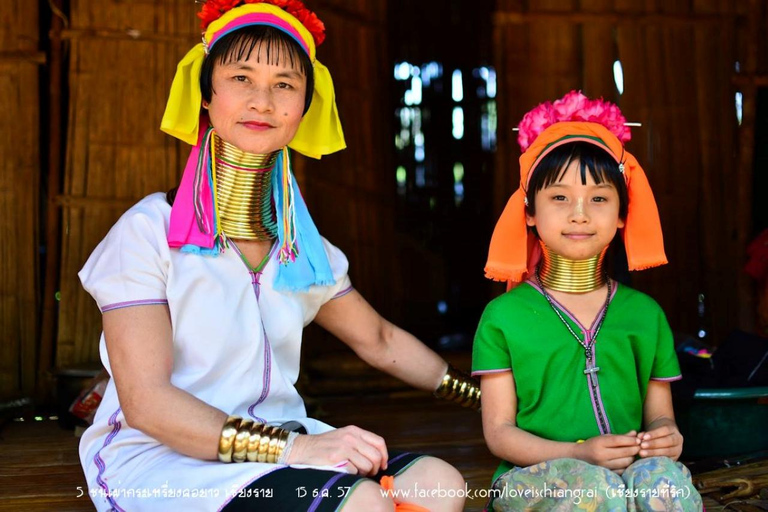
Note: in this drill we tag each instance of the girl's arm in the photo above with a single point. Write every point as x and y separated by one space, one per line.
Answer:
380 343
662 437
508 442
140 347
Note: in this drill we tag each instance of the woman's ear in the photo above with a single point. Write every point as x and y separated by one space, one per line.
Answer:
530 220
620 224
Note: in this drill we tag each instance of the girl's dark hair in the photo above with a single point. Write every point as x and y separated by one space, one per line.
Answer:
278 47
600 164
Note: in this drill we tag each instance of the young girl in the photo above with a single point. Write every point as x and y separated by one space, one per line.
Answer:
575 367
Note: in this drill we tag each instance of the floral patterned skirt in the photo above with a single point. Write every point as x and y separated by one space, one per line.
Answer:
652 484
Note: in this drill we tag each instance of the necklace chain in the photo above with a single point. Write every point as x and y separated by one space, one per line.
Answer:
587 347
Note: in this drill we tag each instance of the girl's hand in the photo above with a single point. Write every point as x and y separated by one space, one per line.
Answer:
612 451
663 441
365 452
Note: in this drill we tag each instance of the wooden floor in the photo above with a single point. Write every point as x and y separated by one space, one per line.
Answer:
40 469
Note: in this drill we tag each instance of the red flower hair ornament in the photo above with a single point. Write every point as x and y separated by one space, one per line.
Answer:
214 9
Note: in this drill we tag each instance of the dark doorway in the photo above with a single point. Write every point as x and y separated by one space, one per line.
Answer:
445 136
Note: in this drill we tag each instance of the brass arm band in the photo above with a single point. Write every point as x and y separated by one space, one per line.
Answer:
459 387
227 439
243 440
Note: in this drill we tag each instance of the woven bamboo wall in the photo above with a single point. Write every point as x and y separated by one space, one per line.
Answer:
123 56
678 59
19 194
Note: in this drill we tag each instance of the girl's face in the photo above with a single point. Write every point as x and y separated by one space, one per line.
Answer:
257 105
576 220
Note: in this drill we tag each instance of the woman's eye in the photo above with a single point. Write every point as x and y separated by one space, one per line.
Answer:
240 78
600 199
283 85
558 198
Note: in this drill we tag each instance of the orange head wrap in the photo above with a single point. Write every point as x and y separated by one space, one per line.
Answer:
514 249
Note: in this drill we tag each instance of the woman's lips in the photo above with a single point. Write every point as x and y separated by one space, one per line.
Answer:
255 125
577 236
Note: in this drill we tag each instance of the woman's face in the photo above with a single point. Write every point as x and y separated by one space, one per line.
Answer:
256 104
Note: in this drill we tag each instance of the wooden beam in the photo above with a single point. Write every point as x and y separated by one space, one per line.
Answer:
113 203
35 57
613 18
127 35
750 80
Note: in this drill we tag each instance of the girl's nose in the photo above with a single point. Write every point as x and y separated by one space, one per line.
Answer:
578 213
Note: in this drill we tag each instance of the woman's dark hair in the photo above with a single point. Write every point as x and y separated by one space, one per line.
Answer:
600 164
278 47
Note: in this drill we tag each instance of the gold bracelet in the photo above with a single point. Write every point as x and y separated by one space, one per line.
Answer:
459 387
263 444
272 450
243 439
240 446
227 439
253 442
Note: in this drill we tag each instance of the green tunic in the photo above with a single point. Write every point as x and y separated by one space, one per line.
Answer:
520 331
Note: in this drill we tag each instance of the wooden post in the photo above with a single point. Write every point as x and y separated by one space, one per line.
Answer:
745 169
53 217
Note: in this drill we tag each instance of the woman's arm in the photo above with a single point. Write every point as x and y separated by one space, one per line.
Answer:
508 442
139 342
380 343
662 437
140 347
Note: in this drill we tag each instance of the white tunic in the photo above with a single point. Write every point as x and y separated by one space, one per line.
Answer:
236 346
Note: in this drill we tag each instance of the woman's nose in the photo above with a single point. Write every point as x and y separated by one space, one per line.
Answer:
260 100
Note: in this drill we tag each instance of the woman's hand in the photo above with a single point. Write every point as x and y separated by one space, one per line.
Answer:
663 441
365 452
612 451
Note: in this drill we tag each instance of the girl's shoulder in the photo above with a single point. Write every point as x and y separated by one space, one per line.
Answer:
521 298
628 297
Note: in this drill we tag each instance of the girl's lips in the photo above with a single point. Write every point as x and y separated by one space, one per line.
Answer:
255 125
577 236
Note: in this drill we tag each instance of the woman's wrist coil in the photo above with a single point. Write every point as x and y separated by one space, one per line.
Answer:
459 387
243 440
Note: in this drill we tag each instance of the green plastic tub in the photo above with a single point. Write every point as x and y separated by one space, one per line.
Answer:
725 423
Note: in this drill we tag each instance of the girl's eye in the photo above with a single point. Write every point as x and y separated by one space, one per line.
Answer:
240 78
600 199
283 85
558 198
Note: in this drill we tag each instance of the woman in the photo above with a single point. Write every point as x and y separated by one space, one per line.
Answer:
205 293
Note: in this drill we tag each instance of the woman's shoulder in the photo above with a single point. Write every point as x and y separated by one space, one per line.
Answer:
151 213
152 207
144 222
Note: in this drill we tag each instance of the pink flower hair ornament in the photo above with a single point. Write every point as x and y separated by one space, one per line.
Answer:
574 106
